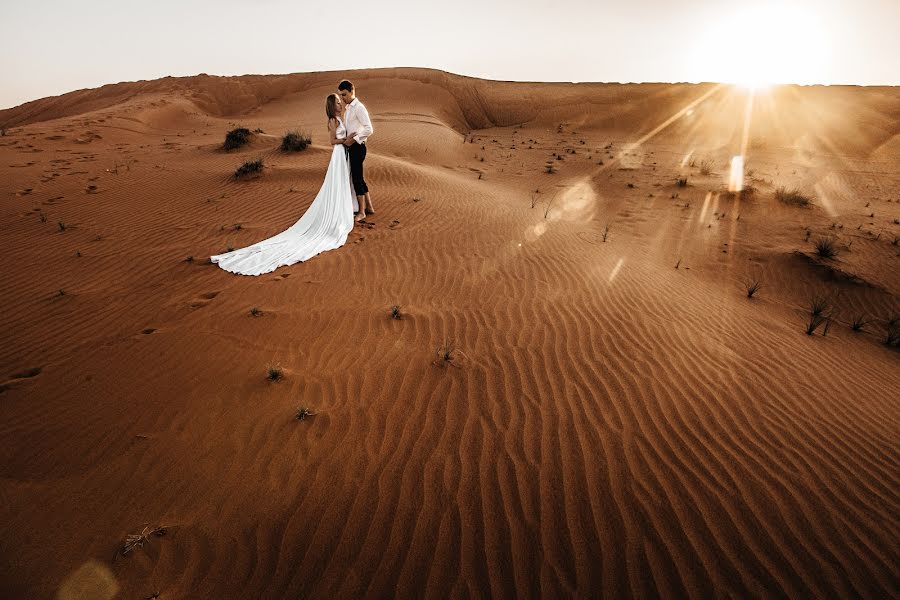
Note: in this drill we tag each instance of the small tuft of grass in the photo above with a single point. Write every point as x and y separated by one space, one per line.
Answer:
138 540
549 168
858 322
446 354
753 286
274 373
819 313
189 259
251 167
892 331
43 217
236 138
295 141
255 312
681 182
395 312
303 413
826 248
237 227
61 292
678 263
62 226
794 197
605 232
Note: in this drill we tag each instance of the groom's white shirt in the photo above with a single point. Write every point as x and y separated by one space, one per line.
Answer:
358 121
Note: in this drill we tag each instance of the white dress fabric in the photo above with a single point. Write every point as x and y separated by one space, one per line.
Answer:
324 226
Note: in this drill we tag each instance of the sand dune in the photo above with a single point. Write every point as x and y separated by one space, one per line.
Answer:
610 425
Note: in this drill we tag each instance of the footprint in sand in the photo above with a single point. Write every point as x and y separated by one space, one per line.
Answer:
20 377
204 299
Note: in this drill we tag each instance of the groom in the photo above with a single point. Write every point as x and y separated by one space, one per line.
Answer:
359 128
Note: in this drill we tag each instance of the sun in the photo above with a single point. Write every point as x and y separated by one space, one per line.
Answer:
761 45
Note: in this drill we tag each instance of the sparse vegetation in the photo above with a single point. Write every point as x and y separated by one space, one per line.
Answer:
753 286
62 226
395 312
189 259
826 248
133 541
43 216
819 313
859 321
251 167
605 232
549 167
892 332
793 197
304 413
706 167
274 373
295 141
446 354
236 138
678 263
255 312
682 182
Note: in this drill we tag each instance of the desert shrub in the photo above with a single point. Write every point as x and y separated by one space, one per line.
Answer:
892 335
295 141
251 167
859 321
826 248
236 138
753 286
706 167
819 313
682 182
274 373
793 197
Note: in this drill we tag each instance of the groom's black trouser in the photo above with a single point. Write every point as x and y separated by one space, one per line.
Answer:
357 156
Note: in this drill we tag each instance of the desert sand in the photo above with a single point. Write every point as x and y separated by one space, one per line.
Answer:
618 418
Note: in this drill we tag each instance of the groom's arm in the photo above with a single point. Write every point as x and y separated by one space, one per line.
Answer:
365 125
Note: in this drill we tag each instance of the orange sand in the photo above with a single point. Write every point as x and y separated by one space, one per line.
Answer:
611 425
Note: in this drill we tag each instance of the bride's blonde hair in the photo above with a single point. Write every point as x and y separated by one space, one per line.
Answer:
331 106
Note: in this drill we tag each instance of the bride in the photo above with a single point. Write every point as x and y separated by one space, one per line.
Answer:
324 226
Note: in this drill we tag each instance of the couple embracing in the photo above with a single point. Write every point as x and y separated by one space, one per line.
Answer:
329 219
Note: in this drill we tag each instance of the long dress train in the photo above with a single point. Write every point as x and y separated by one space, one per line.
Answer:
324 226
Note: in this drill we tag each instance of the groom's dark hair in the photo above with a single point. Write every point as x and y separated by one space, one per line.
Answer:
345 85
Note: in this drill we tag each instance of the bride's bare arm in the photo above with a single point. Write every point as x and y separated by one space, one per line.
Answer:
332 129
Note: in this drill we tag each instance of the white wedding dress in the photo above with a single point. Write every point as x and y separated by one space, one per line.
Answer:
324 226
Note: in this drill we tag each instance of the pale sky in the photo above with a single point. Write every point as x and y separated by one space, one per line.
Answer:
50 47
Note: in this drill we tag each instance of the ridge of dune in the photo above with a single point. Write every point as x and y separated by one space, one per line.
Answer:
620 419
